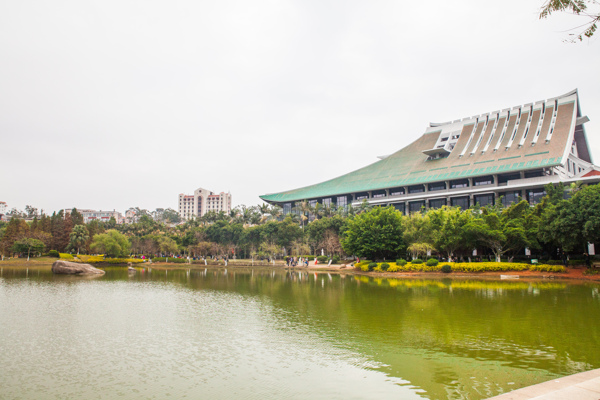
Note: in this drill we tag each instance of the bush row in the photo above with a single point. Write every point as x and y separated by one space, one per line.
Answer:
459 267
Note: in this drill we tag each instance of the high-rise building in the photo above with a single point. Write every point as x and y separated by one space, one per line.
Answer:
203 201
505 155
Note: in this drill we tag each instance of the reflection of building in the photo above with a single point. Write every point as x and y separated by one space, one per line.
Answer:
2 210
510 154
203 201
104 216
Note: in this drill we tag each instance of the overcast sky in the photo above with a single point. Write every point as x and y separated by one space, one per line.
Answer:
117 104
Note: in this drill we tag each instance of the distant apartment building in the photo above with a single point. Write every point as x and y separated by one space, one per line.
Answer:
104 216
2 210
201 202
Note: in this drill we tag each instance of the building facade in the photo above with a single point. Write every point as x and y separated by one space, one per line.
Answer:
91 215
201 202
505 155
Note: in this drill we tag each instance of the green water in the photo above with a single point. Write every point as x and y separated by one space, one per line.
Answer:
256 334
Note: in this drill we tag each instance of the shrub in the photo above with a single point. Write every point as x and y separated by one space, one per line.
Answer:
335 259
401 262
395 267
65 256
446 268
363 265
372 266
432 262
53 253
417 261
384 266
322 259
547 268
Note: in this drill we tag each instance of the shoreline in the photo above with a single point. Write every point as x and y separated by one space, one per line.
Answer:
573 274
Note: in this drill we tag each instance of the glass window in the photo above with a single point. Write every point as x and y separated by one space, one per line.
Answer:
534 173
362 196
416 189
437 203
437 186
462 202
484 199
312 203
508 177
378 193
342 201
483 180
287 208
327 202
415 206
534 196
397 191
459 183
510 197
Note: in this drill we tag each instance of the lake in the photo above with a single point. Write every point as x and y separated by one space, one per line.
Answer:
262 333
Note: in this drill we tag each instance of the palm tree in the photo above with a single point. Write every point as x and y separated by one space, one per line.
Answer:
275 212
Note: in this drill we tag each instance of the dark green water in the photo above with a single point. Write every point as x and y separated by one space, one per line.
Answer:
217 334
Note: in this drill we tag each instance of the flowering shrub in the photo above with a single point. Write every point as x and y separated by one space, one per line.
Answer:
432 262
547 268
461 267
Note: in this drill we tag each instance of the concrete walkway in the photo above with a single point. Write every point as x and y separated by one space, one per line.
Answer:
582 386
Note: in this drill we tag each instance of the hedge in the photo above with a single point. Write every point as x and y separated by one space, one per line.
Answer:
464 267
102 260
66 256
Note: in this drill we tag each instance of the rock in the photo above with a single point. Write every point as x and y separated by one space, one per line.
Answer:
71 268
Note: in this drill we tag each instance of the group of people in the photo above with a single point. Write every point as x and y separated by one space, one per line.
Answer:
296 261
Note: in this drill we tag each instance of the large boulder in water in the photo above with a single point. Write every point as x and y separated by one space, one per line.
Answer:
72 268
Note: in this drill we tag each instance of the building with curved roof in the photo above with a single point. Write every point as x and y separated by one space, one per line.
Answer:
509 154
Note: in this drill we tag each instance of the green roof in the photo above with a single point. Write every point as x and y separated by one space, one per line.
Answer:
409 166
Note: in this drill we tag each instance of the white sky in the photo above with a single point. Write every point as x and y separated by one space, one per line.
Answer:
117 104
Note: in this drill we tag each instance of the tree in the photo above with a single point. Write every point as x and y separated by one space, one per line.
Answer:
76 217
171 216
576 7
503 231
448 234
418 234
31 211
111 243
28 245
375 234
78 237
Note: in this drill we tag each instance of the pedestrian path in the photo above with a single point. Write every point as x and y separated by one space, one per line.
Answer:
582 386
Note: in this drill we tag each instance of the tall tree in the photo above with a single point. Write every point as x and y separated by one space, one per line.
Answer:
112 243
28 245
78 237
375 234
76 217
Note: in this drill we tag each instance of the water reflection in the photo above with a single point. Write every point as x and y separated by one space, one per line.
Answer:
226 328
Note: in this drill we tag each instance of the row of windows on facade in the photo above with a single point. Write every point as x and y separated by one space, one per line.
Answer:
533 196
343 201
